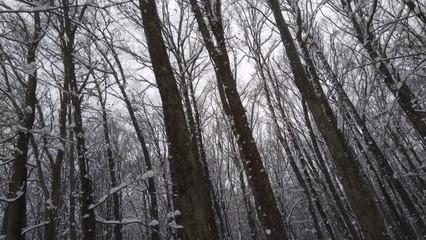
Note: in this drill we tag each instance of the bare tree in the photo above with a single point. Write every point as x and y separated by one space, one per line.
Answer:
362 20
191 197
355 185
242 140
214 40
68 37
119 76
102 94
15 214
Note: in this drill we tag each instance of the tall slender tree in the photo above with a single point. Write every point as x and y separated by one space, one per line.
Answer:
191 197
363 29
385 168
111 160
214 40
355 185
15 214
68 31
120 78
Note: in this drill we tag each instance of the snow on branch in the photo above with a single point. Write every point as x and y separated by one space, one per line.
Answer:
9 200
35 226
126 221
148 174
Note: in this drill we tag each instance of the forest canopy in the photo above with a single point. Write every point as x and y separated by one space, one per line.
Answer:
210 119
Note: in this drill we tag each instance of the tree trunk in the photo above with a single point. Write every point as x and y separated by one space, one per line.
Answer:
359 193
111 166
87 211
285 144
56 186
73 187
266 205
250 218
399 88
197 142
151 184
352 232
385 169
191 197
15 213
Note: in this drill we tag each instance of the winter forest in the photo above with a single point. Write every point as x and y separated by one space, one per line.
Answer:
210 119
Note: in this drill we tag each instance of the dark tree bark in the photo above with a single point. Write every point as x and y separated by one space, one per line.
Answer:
191 196
15 213
403 94
56 186
250 215
358 191
352 232
111 165
56 183
384 168
73 184
194 123
186 74
305 182
285 144
151 184
87 212
414 6
266 205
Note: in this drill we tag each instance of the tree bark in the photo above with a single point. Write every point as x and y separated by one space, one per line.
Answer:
386 70
111 166
88 220
384 168
359 192
15 213
71 150
266 205
285 144
87 211
151 184
56 186
352 232
191 198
